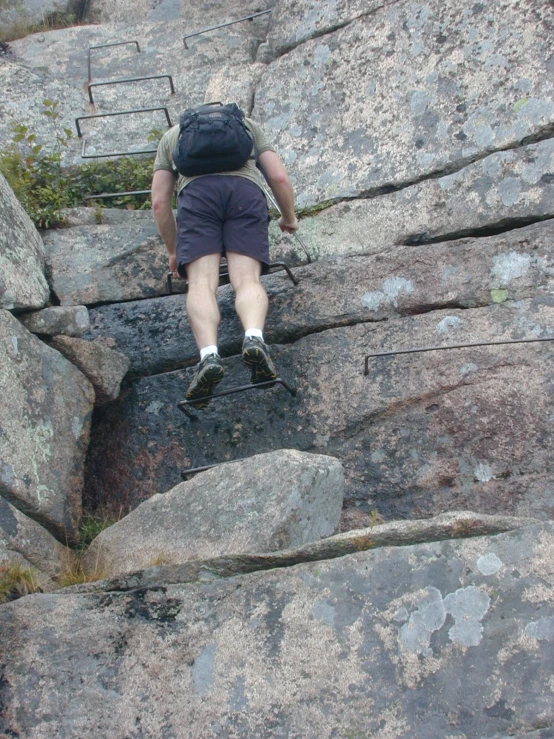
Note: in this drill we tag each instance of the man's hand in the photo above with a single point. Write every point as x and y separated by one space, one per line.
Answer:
289 226
173 264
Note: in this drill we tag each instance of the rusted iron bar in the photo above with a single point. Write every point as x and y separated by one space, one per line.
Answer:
224 25
120 112
90 85
186 406
452 346
103 46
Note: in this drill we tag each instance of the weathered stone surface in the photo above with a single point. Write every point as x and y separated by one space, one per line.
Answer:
45 419
453 525
69 321
92 264
423 433
407 92
22 281
104 367
268 502
54 65
25 541
292 22
469 273
503 190
355 645
17 13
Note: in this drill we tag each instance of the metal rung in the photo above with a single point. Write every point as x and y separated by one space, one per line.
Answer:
90 85
453 346
224 273
103 46
224 25
120 112
113 153
187 406
195 470
115 194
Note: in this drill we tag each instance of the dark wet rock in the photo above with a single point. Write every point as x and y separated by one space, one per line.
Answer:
22 281
104 367
45 418
421 434
265 503
403 281
289 651
69 321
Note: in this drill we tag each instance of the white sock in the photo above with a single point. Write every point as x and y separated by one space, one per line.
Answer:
254 332
208 350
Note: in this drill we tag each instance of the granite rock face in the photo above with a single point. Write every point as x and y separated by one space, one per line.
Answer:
24 541
406 92
104 367
69 321
268 502
45 419
355 645
22 281
92 264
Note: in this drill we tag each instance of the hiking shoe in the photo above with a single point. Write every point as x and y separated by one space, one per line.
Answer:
256 355
209 374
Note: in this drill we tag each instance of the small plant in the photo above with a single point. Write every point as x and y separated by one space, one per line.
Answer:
16 581
45 188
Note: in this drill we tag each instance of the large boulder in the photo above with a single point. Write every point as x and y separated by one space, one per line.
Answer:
72 320
25 542
92 264
45 419
268 502
407 92
104 367
22 281
449 638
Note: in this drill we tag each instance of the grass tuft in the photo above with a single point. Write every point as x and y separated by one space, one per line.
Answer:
16 581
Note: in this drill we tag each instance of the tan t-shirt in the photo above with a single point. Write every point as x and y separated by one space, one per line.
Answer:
168 142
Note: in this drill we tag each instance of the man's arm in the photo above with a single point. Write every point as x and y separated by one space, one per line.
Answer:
163 185
281 186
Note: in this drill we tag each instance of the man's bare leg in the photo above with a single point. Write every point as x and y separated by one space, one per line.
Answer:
202 308
203 314
251 304
250 297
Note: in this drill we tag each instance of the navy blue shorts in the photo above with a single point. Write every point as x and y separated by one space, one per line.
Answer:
220 213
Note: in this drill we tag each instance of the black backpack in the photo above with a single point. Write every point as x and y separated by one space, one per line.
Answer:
212 138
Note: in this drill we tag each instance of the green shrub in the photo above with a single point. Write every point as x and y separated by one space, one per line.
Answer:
45 188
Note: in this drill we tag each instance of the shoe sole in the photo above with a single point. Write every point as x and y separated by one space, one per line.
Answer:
261 371
205 387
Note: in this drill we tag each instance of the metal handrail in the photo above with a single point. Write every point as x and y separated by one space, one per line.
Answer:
120 112
223 25
224 273
113 153
90 85
103 46
452 346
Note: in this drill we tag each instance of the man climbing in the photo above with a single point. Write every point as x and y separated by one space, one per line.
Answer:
223 213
